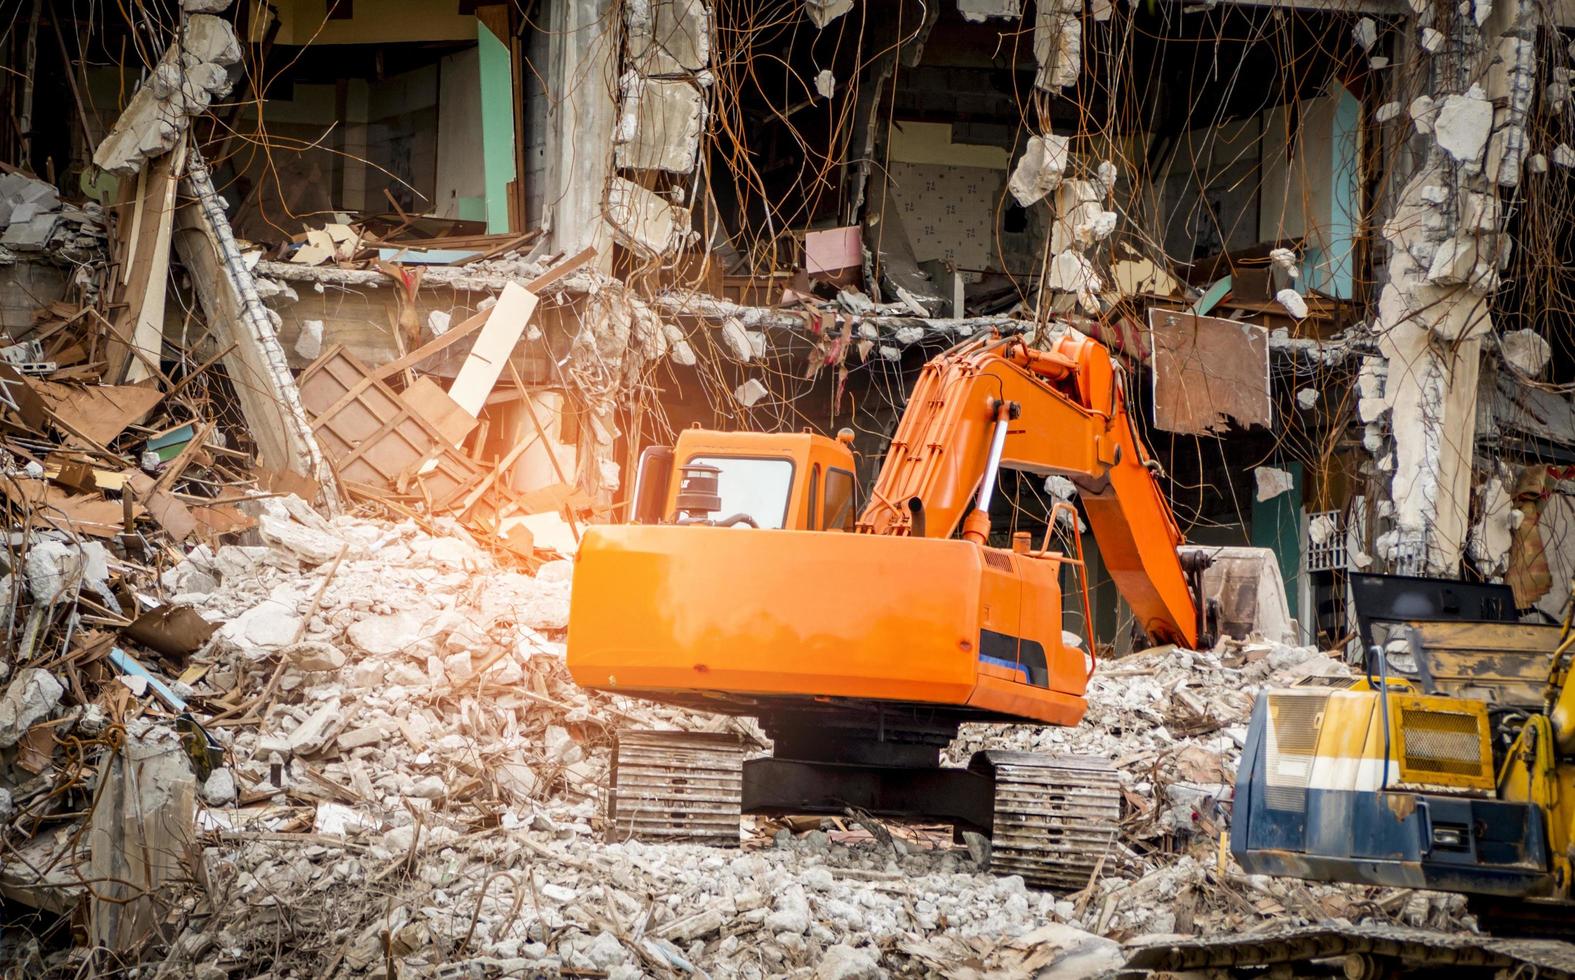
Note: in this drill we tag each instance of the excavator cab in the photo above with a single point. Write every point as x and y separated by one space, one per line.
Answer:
796 481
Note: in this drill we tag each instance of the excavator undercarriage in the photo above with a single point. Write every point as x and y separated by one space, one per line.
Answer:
1050 819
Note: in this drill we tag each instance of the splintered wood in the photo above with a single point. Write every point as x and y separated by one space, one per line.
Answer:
1209 373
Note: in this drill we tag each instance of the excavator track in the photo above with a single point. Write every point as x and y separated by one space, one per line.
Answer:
1360 952
1531 918
1055 817
675 788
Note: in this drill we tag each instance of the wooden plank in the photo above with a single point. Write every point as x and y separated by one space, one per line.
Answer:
147 328
505 325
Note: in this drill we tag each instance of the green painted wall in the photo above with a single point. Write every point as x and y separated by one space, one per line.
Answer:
497 125
1277 524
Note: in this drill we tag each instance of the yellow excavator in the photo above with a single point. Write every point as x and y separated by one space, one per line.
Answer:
748 585
1449 766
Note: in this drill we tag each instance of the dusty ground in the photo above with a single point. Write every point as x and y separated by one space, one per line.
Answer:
412 787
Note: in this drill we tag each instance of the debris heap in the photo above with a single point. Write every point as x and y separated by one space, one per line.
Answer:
377 761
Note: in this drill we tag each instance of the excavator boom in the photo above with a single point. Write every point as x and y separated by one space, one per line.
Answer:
1070 420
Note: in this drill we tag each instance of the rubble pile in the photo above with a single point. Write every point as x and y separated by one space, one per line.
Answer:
33 219
387 768
1174 721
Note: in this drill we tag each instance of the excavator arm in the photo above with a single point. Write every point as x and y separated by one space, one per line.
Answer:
994 401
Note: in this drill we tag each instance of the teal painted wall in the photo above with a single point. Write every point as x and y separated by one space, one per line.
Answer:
1277 525
1333 271
497 126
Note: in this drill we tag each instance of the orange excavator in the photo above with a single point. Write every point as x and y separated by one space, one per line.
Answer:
746 587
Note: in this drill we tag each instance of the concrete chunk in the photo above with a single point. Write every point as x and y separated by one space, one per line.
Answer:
312 734
978 10
660 124
30 698
643 221
1463 124
1040 168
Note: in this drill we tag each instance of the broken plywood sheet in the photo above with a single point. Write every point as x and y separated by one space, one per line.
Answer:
1208 373
659 125
432 403
1137 276
175 517
98 412
506 322
643 221
374 438
88 514
20 399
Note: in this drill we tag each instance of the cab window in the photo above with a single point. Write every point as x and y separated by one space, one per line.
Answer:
839 500
757 487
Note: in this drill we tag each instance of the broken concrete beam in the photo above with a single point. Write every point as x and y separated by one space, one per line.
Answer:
645 222
141 838
659 125
264 387
194 71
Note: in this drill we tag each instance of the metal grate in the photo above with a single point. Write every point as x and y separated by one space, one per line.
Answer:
1328 556
1441 742
1294 720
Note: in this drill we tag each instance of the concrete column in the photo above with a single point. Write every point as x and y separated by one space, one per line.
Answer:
581 111
1448 248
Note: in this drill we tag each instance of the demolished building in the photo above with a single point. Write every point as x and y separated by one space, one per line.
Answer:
290 285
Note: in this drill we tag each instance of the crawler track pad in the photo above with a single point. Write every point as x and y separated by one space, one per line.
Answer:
1055 816
675 788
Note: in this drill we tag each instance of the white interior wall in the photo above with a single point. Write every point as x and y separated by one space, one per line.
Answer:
460 170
